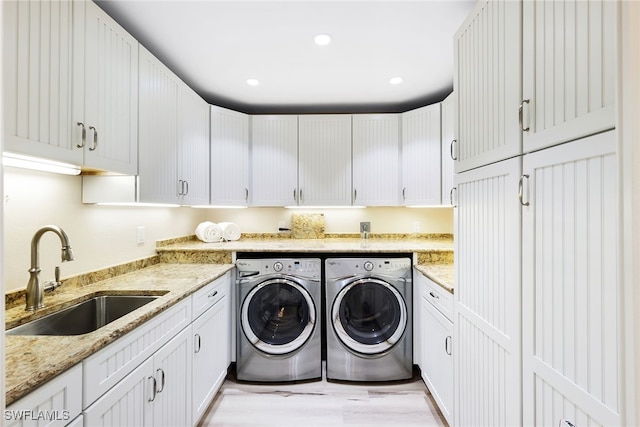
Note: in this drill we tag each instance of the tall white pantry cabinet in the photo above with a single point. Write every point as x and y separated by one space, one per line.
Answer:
538 292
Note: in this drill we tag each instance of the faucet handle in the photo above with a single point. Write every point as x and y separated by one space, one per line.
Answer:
50 286
56 274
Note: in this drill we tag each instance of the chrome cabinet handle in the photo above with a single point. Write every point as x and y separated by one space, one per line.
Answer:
295 195
180 187
186 188
162 379
521 190
520 116
199 342
95 138
246 194
447 345
404 193
301 196
155 388
212 295
84 135
451 196
453 156
434 295
355 194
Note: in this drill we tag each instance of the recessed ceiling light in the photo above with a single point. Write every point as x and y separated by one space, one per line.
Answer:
322 39
253 82
395 80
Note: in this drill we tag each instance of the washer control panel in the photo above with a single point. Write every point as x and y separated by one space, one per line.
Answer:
300 267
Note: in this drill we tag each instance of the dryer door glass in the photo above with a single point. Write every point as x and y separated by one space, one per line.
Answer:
369 316
278 316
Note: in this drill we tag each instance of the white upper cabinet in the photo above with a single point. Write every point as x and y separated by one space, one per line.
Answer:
569 70
193 147
38 75
486 81
105 86
376 159
229 157
158 181
421 156
71 74
325 160
274 160
447 135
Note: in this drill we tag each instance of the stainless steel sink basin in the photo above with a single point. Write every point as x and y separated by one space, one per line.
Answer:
83 317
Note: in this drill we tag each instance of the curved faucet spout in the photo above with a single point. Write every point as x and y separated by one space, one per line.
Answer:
35 291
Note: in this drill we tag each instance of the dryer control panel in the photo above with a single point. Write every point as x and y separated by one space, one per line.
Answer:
299 267
339 267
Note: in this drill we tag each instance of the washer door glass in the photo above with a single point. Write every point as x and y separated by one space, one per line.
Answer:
369 316
278 316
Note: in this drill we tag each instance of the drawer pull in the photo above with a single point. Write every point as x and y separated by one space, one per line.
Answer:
212 295
155 389
434 295
447 345
162 379
199 343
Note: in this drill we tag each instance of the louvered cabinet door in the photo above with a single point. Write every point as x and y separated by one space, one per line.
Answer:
158 182
571 285
229 157
325 160
274 160
569 70
487 83
38 75
421 156
487 305
376 159
108 56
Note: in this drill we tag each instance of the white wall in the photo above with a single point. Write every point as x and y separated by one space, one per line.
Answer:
102 236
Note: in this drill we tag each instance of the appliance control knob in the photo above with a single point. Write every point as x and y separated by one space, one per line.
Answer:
368 266
277 266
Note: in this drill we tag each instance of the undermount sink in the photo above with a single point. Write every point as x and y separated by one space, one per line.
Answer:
83 317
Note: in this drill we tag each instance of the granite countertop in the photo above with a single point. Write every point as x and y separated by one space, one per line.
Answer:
33 360
441 274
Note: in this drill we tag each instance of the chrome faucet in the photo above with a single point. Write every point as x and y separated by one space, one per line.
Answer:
35 291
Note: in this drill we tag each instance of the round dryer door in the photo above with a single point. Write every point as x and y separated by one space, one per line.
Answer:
278 316
369 316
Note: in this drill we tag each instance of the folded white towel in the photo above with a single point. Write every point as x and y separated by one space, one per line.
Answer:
230 231
209 232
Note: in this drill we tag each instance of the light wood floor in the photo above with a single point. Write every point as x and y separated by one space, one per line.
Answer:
322 403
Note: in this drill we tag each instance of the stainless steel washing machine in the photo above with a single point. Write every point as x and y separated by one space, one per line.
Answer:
369 333
279 329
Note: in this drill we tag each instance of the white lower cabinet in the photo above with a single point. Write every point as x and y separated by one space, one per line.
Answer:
436 344
56 403
211 344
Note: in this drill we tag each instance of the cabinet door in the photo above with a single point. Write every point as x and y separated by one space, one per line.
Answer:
376 159
158 182
172 371
60 399
447 141
421 156
487 304
108 56
38 75
274 160
571 303
436 357
128 403
569 70
229 157
211 334
325 160
486 81
193 148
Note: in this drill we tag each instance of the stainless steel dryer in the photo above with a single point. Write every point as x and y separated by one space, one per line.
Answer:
279 327
369 334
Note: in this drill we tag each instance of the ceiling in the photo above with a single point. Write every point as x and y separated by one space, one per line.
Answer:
215 46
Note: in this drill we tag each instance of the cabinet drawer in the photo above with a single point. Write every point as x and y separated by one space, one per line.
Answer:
206 297
103 370
438 297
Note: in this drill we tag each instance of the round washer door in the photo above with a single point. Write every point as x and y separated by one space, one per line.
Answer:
369 316
278 316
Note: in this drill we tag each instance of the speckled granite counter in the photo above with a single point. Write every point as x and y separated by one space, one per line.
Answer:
33 360
441 274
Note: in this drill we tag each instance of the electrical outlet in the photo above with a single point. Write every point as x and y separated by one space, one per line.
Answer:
140 234
416 226
365 227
